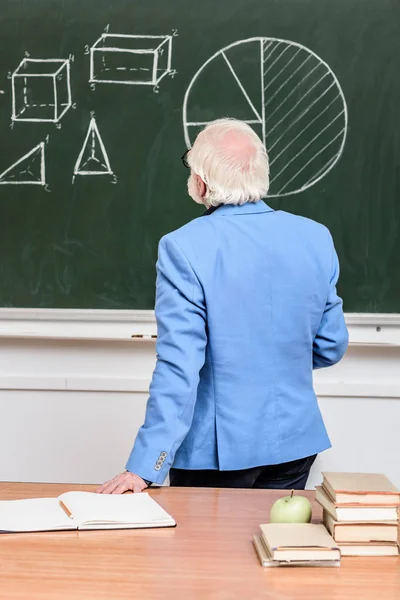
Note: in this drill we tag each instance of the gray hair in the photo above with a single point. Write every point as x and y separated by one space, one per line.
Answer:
231 177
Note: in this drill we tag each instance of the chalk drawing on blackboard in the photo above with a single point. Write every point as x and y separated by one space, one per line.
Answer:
287 93
93 158
41 90
130 59
27 170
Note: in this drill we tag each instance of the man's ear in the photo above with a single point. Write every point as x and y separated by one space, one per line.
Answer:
201 186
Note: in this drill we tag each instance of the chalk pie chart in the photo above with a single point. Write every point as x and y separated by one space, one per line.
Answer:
290 97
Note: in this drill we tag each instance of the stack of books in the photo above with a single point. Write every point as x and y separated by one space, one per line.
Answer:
296 544
361 512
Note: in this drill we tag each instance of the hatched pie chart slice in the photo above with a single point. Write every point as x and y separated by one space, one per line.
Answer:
290 97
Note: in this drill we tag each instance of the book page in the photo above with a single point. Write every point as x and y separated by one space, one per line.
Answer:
37 514
130 509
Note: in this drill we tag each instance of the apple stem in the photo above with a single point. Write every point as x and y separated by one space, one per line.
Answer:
291 495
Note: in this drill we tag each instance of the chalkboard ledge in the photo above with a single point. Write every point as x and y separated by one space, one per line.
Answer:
138 326
77 324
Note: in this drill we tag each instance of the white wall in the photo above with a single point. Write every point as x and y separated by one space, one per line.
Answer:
70 408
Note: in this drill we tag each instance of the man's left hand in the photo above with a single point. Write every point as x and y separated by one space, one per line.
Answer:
123 483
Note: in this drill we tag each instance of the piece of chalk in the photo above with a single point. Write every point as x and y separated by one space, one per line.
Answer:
144 336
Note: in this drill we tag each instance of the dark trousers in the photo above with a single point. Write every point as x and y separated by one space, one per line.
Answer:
286 476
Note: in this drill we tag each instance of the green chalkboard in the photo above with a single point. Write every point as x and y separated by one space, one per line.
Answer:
99 99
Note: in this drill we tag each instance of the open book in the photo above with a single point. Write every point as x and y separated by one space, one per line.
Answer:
82 510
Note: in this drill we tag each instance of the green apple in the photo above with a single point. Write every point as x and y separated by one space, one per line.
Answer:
291 509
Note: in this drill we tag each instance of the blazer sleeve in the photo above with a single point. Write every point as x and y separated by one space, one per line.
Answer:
181 326
331 341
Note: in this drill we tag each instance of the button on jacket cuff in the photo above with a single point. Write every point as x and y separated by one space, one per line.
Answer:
154 467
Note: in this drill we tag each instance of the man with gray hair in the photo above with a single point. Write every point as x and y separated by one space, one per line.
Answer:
246 307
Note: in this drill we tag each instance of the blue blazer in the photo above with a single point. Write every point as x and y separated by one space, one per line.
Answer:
246 307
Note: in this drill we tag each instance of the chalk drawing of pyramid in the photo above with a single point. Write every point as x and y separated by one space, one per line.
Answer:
28 170
93 159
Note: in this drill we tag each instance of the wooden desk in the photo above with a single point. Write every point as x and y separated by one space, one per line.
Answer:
209 555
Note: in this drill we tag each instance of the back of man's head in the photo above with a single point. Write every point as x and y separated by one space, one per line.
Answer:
231 160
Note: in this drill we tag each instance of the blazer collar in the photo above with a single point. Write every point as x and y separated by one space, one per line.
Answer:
245 209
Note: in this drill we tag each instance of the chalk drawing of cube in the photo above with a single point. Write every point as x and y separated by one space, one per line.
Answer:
130 59
41 90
